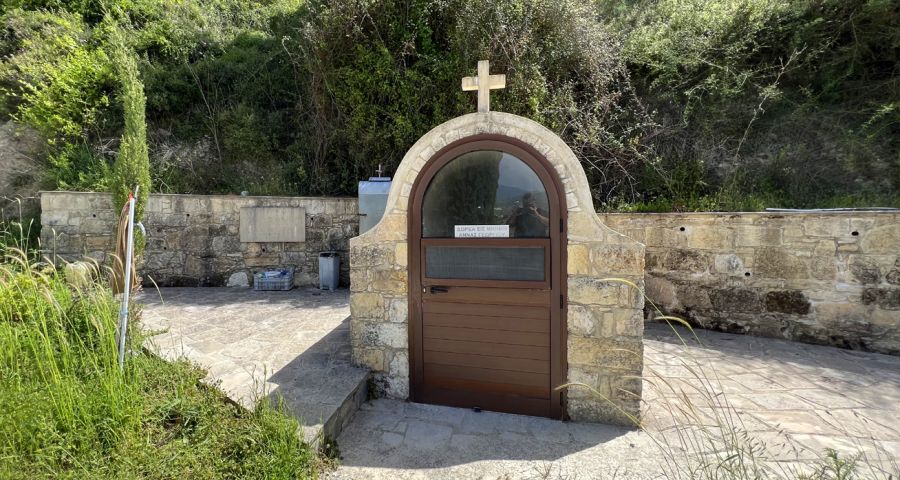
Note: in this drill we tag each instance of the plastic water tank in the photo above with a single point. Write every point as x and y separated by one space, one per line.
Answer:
373 195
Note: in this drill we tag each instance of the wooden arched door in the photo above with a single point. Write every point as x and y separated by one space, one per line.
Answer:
487 279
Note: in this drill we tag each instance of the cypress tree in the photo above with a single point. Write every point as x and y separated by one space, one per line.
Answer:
132 166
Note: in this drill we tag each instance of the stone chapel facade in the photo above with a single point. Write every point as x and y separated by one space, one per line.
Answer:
602 316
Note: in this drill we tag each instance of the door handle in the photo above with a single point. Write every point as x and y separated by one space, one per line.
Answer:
436 289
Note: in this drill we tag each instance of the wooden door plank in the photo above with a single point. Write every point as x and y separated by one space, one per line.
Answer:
490 296
486 310
481 348
487 336
488 375
484 361
511 324
434 382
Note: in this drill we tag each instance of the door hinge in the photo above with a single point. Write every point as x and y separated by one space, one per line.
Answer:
562 301
562 225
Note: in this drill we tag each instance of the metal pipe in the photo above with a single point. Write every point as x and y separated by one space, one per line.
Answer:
126 291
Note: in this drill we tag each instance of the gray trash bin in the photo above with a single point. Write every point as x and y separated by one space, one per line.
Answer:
329 270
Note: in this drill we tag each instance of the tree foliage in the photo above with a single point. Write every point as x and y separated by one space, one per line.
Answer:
381 74
52 78
791 101
669 104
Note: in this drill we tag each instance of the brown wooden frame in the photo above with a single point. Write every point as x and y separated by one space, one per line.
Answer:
556 243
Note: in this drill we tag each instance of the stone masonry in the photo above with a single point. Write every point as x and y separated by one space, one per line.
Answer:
605 320
193 240
829 278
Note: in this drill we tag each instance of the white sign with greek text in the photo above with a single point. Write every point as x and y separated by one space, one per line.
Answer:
481 231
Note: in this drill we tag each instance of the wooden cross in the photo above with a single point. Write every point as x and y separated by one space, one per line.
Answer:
484 83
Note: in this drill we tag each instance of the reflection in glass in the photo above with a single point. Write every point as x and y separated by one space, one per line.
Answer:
486 188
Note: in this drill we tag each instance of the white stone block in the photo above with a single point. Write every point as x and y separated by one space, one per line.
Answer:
238 279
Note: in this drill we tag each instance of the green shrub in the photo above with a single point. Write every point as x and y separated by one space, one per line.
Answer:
74 166
786 92
381 74
53 78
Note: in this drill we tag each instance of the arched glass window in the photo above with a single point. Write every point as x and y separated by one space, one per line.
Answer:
481 189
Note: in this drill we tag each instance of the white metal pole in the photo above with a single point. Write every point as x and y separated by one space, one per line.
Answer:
126 291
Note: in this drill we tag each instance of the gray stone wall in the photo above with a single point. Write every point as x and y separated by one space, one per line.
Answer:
193 240
827 278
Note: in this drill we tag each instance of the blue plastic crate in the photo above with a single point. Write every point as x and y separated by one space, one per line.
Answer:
273 280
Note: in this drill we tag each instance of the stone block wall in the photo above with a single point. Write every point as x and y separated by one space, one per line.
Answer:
193 240
605 319
829 278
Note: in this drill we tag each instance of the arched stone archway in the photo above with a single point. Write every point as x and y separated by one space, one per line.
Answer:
604 320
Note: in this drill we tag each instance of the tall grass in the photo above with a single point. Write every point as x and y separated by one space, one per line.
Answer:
58 350
68 411
701 434
18 231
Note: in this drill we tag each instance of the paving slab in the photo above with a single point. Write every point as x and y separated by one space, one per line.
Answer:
294 345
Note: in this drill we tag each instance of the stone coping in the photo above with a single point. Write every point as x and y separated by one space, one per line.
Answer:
218 195
792 213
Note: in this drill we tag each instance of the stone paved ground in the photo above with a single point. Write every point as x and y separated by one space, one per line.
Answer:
294 343
390 439
796 399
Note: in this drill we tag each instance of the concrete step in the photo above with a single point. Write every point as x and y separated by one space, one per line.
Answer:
325 409
293 346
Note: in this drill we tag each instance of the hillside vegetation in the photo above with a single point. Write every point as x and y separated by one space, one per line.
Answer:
669 104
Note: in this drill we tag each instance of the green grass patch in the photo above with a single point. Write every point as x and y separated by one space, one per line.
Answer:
68 411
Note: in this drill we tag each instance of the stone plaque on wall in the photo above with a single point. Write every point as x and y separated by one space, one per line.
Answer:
273 224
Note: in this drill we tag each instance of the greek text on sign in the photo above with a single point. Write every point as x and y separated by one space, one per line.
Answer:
481 231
